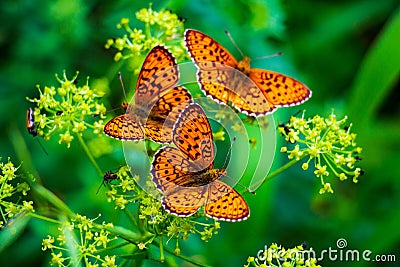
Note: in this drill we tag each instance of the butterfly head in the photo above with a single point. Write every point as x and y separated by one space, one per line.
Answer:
244 65
124 105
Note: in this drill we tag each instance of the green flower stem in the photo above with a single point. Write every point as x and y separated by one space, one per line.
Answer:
328 162
162 257
89 154
192 261
130 216
278 171
43 218
23 153
110 248
52 198
128 235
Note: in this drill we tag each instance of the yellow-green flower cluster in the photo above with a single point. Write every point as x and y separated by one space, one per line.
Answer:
10 191
150 211
69 109
328 143
276 255
84 240
160 28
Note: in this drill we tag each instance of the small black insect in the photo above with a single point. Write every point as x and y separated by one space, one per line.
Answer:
108 177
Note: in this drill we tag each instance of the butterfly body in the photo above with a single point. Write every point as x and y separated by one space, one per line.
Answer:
157 101
244 65
255 92
186 176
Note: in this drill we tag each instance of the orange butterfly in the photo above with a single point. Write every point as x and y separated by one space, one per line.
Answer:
226 80
186 175
157 102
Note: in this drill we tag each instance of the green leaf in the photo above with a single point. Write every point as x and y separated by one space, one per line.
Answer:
71 243
13 230
377 74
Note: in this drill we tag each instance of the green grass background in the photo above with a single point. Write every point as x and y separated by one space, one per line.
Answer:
347 52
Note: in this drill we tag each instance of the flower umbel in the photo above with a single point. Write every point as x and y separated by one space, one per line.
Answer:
68 109
327 142
160 28
125 191
88 238
11 193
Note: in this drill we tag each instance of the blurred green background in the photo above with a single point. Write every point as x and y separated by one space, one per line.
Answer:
347 52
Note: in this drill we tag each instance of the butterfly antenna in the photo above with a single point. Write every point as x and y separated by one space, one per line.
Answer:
41 145
122 84
99 187
268 56
229 152
234 43
124 105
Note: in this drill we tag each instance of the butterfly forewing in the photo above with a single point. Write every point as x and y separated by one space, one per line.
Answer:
203 48
166 112
192 135
157 101
159 73
171 167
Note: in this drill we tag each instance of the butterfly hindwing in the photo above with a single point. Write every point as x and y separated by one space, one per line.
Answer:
279 89
225 203
165 112
125 127
184 201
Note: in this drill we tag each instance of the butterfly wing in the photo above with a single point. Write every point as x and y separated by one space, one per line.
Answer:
239 90
157 101
213 62
192 135
279 89
219 77
225 203
159 73
205 51
184 201
172 174
125 127
164 114
171 167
